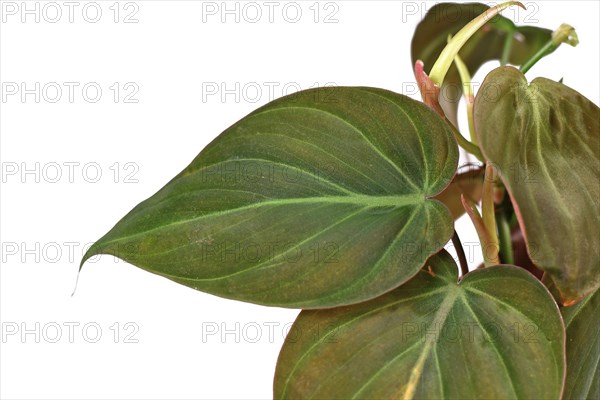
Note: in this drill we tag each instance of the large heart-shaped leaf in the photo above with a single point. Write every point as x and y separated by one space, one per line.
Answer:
431 36
583 348
317 199
545 139
496 334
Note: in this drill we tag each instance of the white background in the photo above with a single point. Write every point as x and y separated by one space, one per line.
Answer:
153 340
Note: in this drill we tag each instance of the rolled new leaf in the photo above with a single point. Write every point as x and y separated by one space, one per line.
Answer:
544 138
456 42
488 43
496 334
317 199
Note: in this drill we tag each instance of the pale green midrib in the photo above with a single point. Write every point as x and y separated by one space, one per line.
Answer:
438 320
365 201
267 262
359 393
332 331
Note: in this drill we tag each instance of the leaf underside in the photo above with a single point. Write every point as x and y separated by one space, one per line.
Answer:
468 184
431 36
317 199
496 334
544 138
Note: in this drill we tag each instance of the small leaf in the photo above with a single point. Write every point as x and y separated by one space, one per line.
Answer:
583 348
497 334
317 199
431 37
544 137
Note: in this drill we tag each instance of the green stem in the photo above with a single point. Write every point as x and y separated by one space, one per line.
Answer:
464 143
465 78
548 48
507 48
506 250
487 204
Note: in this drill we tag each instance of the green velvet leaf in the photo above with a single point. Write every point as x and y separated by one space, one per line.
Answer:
544 137
317 199
583 348
497 334
431 36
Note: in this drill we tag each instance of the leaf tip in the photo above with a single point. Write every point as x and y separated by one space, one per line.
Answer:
519 4
573 297
88 254
568 303
76 281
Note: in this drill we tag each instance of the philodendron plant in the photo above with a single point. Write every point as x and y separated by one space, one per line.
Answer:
339 201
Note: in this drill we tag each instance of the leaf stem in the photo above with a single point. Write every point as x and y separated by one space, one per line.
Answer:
465 78
488 249
546 49
487 204
506 250
507 48
460 252
464 143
